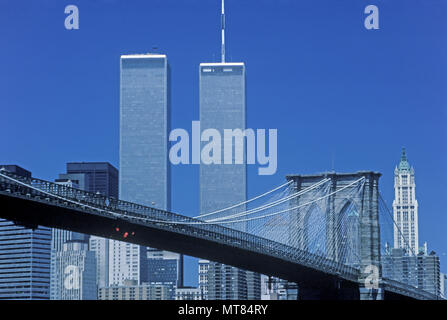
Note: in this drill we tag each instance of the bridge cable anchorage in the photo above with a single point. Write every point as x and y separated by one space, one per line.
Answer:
272 204
244 202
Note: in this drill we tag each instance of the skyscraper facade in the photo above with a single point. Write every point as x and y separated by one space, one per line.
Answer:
102 177
24 257
75 276
165 268
223 106
429 272
421 271
405 207
204 266
443 285
99 177
144 161
100 247
144 130
226 282
59 236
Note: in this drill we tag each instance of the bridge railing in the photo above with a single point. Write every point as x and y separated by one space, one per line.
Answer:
62 195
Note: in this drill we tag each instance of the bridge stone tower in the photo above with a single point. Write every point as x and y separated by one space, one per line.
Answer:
362 204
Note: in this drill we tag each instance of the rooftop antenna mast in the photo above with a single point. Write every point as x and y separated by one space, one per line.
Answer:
223 30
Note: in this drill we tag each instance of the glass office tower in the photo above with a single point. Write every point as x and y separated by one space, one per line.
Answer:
165 268
144 161
24 257
223 106
144 130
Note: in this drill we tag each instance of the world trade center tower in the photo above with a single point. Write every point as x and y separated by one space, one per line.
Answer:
144 164
223 106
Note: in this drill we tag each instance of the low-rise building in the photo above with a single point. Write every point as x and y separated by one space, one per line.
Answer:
188 293
131 290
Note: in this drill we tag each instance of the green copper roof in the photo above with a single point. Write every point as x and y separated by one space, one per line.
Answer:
404 165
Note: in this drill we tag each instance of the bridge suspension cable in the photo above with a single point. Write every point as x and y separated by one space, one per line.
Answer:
293 208
271 204
253 218
244 202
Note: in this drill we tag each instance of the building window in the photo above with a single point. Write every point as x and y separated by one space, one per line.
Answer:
404 179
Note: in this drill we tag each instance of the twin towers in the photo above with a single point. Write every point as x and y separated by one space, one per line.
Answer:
145 126
144 139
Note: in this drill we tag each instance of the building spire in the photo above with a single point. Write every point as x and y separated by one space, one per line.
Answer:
404 155
223 30
404 165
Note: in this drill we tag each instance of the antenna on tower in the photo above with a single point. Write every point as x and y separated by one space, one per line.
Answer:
223 30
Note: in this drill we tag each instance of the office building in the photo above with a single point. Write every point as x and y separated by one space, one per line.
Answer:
144 130
398 265
24 257
226 282
421 271
100 247
59 236
165 268
188 293
144 161
131 290
443 285
102 178
429 272
405 207
204 266
222 99
75 274
274 288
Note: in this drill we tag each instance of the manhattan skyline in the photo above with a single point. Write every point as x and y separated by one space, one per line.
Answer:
386 86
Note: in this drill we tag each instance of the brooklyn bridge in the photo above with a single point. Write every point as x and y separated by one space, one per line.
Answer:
322 231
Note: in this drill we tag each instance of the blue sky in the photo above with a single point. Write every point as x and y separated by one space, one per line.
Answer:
333 89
